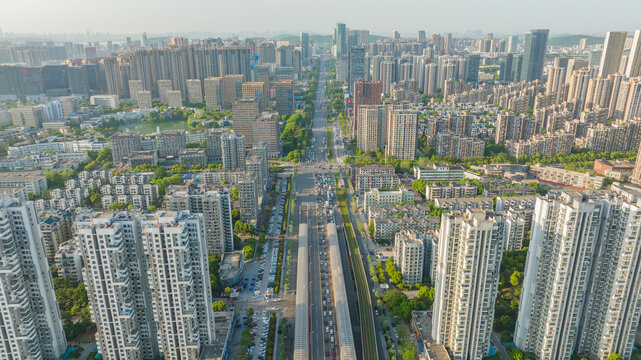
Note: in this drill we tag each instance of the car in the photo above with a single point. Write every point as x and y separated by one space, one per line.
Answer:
332 338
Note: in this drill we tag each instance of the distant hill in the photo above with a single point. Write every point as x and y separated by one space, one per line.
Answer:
325 40
571 40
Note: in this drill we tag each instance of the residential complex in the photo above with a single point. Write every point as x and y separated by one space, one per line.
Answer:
32 325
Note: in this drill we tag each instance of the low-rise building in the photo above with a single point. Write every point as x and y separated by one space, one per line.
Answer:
504 190
618 170
449 191
231 268
375 176
33 181
143 157
484 203
572 179
439 172
193 157
19 193
378 197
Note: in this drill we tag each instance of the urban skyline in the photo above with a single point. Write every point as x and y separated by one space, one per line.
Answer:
426 196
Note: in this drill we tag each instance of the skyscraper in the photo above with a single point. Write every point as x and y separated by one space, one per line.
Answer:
152 296
231 89
304 46
266 132
612 51
340 40
254 90
30 317
356 66
135 86
365 93
194 91
536 44
401 133
370 134
409 252
512 43
261 74
633 67
178 279
213 93
466 281
284 96
244 113
233 151
215 207
248 193
387 76
581 290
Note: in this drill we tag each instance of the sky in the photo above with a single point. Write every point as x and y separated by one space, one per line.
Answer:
292 16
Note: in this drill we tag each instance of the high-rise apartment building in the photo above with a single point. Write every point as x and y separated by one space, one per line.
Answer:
248 199
152 297
535 46
466 280
581 290
633 67
401 133
285 96
409 253
194 91
431 76
371 129
215 207
123 144
612 51
266 132
213 148
31 116
267 52
213 93
233 151
164 86
144 99
261 74
244 113
118 289
387 76
134 87
512 43
365 93
52 235
632 105
254 90
356 65
30 317
174 98
231 89
178 279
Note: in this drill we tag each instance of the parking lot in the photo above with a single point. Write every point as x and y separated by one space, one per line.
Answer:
257 285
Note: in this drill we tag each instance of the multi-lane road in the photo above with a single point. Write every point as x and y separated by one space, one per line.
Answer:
311 210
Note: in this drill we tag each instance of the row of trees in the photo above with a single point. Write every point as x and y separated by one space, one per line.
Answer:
74 306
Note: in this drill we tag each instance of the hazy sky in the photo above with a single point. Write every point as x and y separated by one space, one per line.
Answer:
291 16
